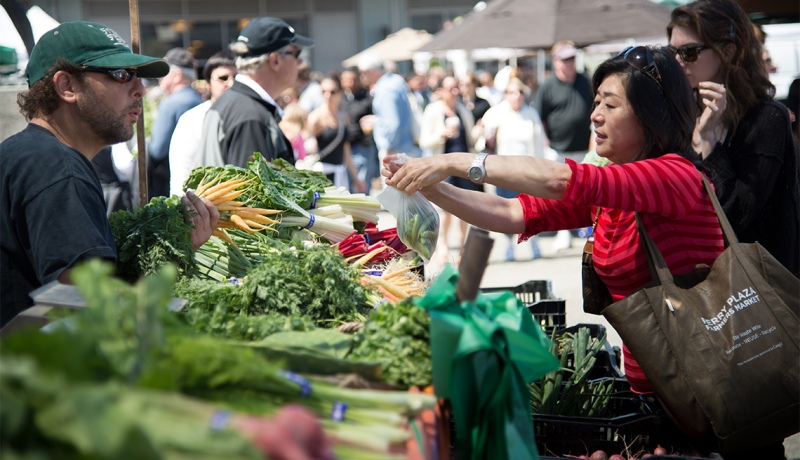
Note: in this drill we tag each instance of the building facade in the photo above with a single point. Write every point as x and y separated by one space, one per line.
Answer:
341 28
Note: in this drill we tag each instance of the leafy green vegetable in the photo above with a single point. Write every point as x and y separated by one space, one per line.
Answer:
398 337
151 236
313 282
223 323
44 414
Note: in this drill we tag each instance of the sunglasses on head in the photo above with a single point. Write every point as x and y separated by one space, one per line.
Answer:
641 58
688 53
119 75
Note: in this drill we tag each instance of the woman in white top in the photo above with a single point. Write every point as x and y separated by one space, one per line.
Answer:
447 127
514 128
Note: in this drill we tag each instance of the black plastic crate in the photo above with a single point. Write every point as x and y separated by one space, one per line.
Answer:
631 425
548 311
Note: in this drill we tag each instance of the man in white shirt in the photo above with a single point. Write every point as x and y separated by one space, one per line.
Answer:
185 148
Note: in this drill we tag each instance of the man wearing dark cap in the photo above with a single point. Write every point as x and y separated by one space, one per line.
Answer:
181 97
84 93
245 119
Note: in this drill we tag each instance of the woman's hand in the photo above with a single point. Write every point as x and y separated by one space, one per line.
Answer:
416 173
709 129
204 217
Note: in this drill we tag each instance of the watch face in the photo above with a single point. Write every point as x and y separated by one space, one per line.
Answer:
475 173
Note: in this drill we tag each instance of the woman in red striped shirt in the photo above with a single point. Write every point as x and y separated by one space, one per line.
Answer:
643 126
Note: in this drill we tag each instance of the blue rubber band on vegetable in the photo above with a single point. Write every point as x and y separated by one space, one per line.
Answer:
379 303
373 272
314 201
311 220
219 419
234 280
305 385
337 413
366 239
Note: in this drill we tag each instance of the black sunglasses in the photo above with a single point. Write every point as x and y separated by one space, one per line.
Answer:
295 53
221 77
641 58
689 53
119 75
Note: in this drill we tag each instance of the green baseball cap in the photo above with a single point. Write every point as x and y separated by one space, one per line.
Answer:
88 44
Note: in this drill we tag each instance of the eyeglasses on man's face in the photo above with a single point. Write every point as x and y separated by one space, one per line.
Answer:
688 53
641 58
222 78
119 75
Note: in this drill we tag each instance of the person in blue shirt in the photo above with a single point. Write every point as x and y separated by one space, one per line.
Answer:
395 126
181 97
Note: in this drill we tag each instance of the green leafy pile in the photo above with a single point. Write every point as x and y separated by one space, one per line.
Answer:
223 323
312 282
47 417
398 337
151 236
127 337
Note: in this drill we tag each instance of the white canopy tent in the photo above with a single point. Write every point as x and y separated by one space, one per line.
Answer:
40 21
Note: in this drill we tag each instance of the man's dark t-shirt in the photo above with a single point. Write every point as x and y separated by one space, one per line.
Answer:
52 215
566 109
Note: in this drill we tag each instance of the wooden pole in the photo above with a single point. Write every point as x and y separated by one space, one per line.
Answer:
141 157
474 258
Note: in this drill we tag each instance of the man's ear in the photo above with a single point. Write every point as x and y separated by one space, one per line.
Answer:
65 85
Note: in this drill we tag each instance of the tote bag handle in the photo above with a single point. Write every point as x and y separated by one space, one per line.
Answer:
655 260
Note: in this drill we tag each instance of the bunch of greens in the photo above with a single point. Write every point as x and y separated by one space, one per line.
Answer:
128 335
314 282
568 390
311 180
46 416
151 236
397 336
222 322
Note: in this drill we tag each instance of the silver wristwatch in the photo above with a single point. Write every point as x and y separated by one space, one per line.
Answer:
477 170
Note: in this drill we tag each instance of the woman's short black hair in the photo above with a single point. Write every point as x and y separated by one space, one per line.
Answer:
666 111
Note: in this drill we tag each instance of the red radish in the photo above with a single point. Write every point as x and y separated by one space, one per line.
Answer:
598 455
659 451
616 457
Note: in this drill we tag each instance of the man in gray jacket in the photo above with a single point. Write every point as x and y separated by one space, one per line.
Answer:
245 119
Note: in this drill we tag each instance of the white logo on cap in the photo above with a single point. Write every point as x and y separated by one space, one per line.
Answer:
291 29
113 36
242 38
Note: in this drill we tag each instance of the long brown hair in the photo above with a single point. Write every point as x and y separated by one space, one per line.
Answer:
724 27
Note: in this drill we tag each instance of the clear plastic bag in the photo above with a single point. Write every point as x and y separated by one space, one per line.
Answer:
417 220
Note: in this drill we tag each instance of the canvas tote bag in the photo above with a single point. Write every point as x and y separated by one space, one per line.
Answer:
721 354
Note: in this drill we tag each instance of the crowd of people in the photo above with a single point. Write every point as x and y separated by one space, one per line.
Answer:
662 117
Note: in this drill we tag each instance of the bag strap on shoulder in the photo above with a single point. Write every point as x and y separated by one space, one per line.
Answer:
655 260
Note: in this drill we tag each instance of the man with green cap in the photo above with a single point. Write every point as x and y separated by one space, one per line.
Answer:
85 93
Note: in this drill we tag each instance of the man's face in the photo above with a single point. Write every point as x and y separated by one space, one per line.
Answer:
108 107
289 62
348 79
221 79
169 81
565 69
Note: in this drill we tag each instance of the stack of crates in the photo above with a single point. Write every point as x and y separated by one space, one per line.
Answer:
549 311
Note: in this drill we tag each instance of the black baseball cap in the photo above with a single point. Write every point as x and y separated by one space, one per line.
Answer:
266 35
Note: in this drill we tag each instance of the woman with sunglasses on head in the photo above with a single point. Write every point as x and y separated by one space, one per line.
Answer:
643 125
328 124
742 137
